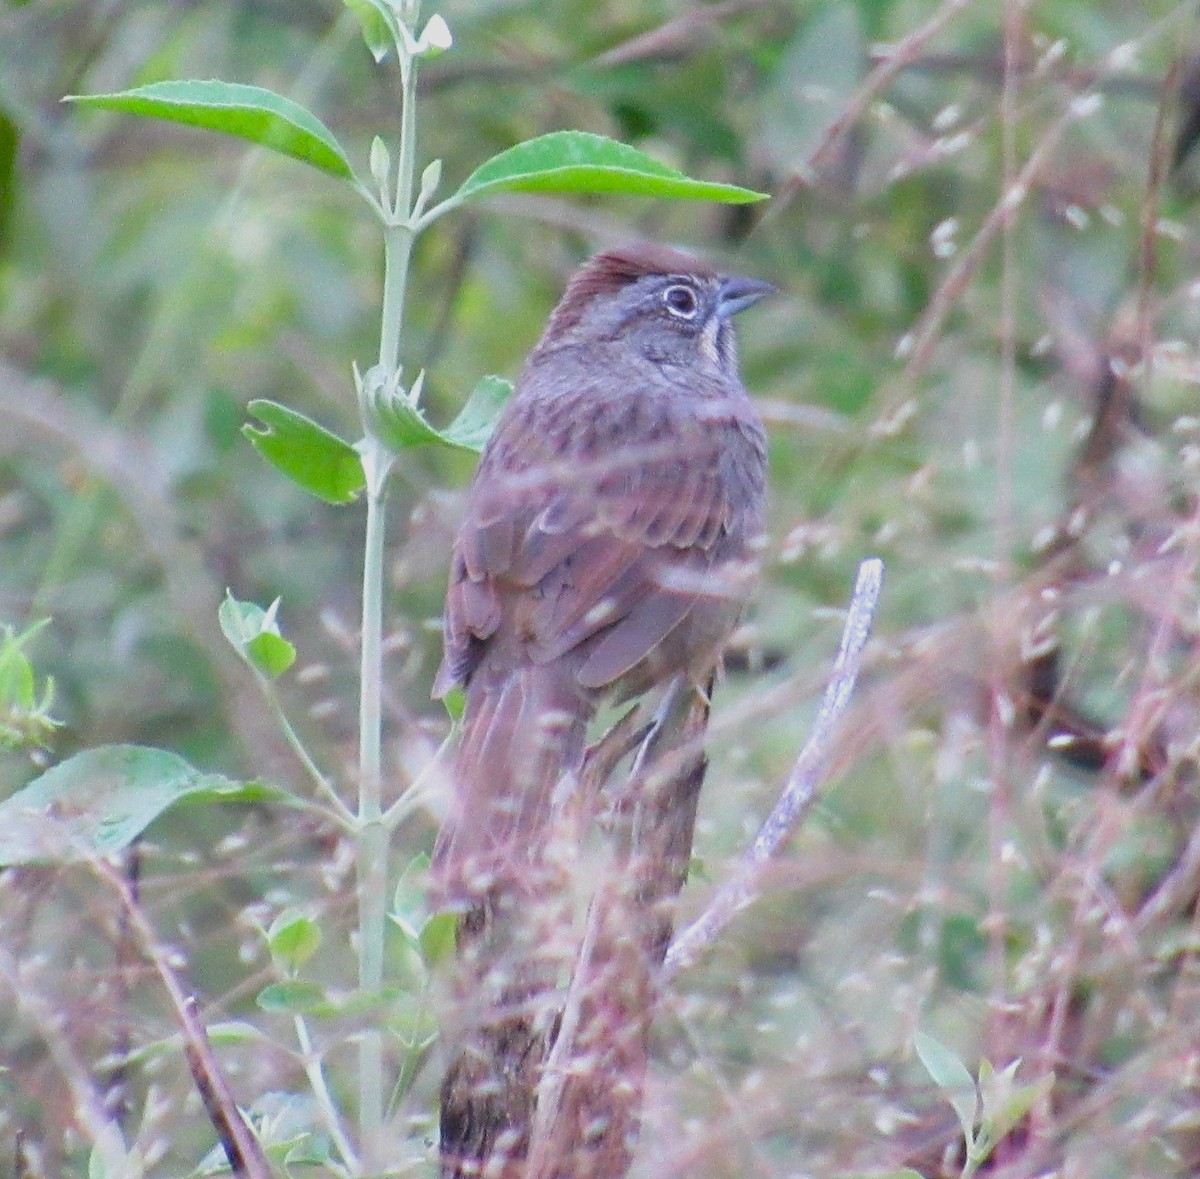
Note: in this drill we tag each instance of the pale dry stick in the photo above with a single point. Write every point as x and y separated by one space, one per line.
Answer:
246 1157
800 791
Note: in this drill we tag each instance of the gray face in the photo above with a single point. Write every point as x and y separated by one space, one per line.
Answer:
671 319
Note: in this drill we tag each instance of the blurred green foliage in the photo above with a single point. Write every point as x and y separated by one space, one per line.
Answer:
970 870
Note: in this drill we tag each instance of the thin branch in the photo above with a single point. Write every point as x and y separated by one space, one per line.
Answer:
800 792
898 59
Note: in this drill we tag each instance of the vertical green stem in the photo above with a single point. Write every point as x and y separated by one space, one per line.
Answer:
372 863
372 837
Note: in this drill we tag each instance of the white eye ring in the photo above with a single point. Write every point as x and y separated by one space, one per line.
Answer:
681 301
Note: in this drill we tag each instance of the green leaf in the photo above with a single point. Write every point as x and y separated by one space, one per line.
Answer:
294 997
438 938
409 910
254 634
397 420
950 1075
319 461
455 703
99 801
379 28
576 161
293 939
412 1023
1003 1103
24 719
477 418
248 112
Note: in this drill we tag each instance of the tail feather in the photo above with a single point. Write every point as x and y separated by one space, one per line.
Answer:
520 736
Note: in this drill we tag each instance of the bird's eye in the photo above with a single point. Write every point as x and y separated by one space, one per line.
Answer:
681 301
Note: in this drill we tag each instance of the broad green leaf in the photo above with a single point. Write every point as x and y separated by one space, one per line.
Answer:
379 28
99 801
319 461
577 161
477 418
254 634
248 112
293 939
950 1075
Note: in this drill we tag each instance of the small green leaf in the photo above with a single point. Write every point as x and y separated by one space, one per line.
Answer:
99 801
1003 1103
409 910
254 634
477 418
271 654
379 28
24 719
455 702
412 1023
576 161
435 38
248 112
293 939
293 997
393 412
438 938
319 461
950 1075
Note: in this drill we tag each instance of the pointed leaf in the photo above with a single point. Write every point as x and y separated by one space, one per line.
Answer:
439 938
455 703
294 997
248 112
315 458
475 422
99 801
293 939
254 634
576 161
378 25
950 1075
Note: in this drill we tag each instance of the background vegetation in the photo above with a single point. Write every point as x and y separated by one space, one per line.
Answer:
982 368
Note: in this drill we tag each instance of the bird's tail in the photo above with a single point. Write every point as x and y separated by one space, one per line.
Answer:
500 862
522 746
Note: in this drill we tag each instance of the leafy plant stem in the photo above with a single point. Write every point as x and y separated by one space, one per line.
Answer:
377 460
316 1079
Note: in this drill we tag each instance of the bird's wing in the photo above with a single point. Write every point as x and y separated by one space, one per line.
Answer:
601 541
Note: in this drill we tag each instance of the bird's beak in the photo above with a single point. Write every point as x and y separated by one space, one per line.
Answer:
738 293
